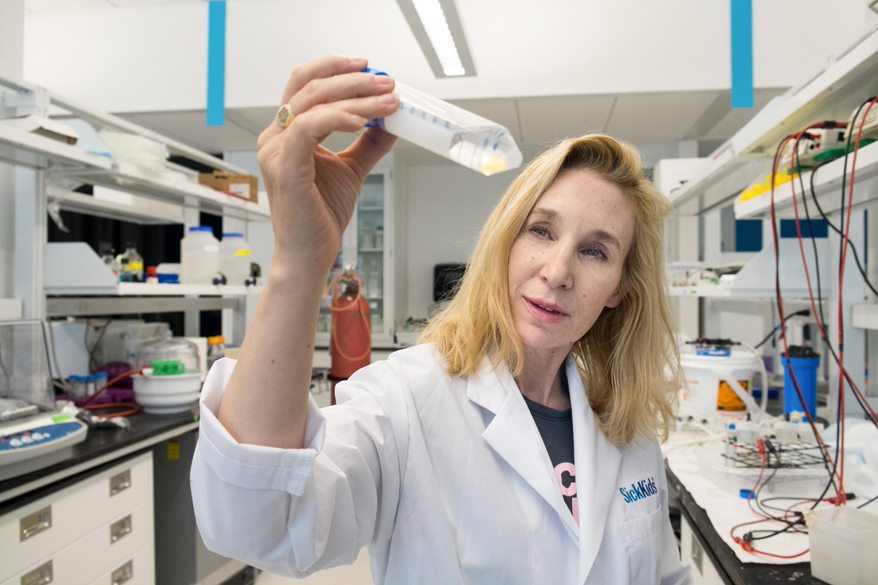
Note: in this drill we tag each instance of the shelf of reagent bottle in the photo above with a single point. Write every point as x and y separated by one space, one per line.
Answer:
123 207
827 185
32 150
137 180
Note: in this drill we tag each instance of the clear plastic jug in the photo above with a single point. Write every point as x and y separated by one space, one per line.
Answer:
235 258
450 131
199 256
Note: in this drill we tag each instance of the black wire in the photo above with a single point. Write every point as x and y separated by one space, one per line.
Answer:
867 502
811 234
802 313
778 300
789 524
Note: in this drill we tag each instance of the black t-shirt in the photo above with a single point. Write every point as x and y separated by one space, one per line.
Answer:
556 428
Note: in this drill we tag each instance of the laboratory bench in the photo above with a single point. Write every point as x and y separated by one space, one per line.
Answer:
712 560
117 510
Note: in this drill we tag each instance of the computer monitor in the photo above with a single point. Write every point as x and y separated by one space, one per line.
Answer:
446 278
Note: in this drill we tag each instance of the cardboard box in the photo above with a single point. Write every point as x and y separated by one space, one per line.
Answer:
241 186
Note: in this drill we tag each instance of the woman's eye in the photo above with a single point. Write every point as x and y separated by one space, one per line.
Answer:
539 230
595 253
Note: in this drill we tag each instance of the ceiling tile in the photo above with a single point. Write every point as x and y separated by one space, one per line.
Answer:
190 128
734 120
649 118
546 120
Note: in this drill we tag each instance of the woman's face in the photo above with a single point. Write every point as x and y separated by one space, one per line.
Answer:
565 265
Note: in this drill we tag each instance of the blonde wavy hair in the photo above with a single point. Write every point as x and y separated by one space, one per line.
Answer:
628 360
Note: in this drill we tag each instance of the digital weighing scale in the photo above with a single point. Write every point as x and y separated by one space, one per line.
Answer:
33 433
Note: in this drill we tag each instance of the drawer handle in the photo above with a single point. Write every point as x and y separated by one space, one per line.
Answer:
120 528
42 575
120 482
33 524
123 573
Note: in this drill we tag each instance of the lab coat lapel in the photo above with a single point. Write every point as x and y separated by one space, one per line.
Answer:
597 468
514 436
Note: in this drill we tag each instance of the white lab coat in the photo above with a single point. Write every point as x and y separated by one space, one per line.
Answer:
445 479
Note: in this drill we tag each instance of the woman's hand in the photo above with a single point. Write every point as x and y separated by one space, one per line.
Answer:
312 191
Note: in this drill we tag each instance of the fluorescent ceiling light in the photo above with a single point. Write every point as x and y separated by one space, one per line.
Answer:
436 26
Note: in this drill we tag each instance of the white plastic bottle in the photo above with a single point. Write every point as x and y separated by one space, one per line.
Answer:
450 131
199 256
235 258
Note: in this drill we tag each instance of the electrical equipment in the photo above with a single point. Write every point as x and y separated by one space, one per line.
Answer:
37 441
817 146
33 433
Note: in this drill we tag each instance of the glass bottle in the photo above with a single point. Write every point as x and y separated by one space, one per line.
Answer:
130 264
216 349
106 251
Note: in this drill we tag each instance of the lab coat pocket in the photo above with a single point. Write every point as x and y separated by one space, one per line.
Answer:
643 543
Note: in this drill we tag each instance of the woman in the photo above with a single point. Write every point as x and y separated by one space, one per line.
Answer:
516 444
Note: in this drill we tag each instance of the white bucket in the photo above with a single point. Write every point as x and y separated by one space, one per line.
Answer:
707 375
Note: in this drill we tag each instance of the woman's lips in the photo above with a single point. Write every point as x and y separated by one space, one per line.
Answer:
545 315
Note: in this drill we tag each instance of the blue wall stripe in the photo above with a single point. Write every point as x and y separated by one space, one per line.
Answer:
742 53
216 63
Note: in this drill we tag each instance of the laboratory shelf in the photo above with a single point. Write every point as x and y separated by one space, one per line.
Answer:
704 290
144 289
27 149
158 290
135 209
139 181
827 186
831 94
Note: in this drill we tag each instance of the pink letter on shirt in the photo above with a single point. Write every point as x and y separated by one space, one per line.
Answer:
569 490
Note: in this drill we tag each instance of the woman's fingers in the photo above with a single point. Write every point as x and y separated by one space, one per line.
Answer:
312 127
321 91
367 150
321 68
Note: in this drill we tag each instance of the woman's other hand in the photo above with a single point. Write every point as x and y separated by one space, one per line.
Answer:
312 191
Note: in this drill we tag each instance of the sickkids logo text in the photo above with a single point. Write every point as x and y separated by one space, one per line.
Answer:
639 491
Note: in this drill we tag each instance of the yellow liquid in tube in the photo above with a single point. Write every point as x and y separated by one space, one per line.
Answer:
451 132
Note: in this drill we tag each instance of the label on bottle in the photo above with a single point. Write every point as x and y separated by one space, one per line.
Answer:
134 266
242 252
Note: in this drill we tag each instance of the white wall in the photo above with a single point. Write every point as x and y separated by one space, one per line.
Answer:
521 47
11 65
447 205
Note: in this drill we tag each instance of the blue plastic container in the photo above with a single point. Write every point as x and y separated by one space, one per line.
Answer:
806 374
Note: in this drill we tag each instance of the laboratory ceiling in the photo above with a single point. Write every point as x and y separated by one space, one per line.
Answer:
643 118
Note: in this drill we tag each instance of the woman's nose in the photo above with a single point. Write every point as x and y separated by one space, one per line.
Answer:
555 270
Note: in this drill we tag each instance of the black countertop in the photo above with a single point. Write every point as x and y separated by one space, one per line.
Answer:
102 447
730 568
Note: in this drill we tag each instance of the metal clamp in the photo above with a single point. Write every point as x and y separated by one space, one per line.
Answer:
33 524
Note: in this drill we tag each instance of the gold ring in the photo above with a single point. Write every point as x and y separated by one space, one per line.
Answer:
285 116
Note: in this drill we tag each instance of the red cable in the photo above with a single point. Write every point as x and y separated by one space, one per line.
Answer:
841 284
779 293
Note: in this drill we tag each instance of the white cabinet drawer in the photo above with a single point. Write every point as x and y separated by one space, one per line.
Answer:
41 528
137 570
103 550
